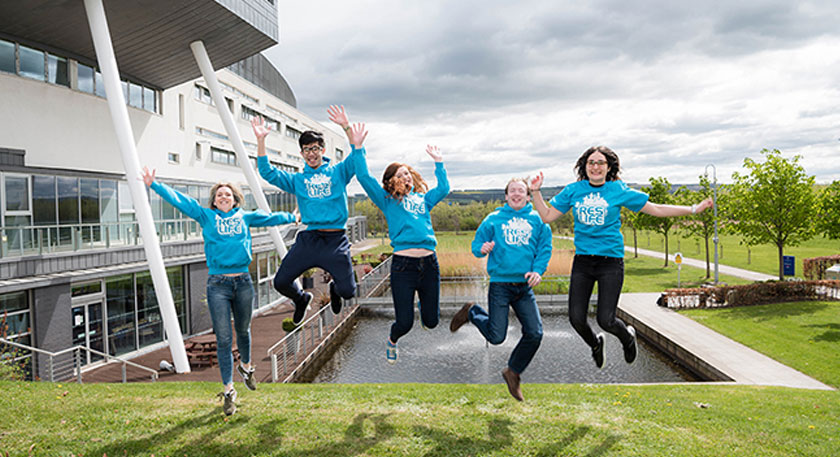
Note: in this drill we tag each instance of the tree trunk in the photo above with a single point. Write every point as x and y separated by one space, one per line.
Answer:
635 245
781 262
708 274
666 249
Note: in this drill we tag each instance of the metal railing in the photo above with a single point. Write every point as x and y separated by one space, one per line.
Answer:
67 364
300 345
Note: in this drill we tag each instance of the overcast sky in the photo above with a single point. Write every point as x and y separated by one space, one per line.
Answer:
507 88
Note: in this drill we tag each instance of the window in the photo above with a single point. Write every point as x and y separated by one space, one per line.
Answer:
181 111
31 63
15 322
17 193
149 100
203 94
121 318
98 84
293 133
85 83
135 95
198 152
248 114
221 156
7 56
174 157
57 71
339 154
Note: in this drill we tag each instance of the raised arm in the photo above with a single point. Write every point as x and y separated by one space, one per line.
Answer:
184 203
260 218
658 210
441 189
546 214
261 130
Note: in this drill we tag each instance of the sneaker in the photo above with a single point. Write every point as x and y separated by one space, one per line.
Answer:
335 299
390 352
598 351
512 381
460 318
230 401
300 309
247 376
631 350
420 312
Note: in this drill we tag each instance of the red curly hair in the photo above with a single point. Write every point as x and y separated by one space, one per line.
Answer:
395 186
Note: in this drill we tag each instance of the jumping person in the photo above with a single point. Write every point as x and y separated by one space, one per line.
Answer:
230 291
597 198
321 195
406 201
518 245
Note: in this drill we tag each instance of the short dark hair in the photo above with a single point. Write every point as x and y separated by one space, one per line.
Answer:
612 163
309 137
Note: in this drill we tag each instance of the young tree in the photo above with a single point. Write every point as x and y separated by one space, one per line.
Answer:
774 203
660 192
701 225
828 213
631 221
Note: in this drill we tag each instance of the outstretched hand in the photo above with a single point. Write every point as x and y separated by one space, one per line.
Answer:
261 129
533 278
536 182
147 177
434 153
702 206
357 134
338 115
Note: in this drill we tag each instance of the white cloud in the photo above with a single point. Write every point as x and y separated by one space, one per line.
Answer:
510 88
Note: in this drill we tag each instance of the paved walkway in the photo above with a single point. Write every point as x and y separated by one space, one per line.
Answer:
707 349
724 269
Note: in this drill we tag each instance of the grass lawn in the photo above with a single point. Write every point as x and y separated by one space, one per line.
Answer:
802 335
183 419
763 258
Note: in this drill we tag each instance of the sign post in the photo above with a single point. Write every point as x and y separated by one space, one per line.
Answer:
789 265
678 261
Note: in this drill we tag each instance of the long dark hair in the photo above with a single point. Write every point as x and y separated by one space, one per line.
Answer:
612 163
394 189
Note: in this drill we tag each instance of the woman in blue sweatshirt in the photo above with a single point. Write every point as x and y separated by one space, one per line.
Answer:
407 203
597 198
227 247
518 246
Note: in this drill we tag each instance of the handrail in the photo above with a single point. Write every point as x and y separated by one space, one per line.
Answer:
108 358
385 264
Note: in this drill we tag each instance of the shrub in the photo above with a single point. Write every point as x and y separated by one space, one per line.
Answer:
751 294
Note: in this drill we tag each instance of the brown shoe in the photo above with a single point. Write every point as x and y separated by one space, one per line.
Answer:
512 380
460 318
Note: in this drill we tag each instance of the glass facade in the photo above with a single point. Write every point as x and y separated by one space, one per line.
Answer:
31 63
7 56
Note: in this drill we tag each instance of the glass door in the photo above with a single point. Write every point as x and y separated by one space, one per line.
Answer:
88 330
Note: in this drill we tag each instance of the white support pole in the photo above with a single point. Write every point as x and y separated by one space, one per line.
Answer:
125 138
209 75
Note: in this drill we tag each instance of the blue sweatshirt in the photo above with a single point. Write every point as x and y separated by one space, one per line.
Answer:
597 213
523 243
409 219
227 236
321 193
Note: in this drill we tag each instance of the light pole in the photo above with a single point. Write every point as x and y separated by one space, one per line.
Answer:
714 206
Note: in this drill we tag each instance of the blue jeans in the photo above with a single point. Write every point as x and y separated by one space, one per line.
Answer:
410 275
608 272
494 325
228 295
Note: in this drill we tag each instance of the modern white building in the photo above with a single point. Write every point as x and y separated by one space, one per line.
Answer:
72 267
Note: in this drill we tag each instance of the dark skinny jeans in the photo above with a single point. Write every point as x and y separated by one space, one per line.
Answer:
410 275
608 272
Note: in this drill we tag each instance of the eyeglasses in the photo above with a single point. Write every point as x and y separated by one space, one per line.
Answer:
310 149
593 163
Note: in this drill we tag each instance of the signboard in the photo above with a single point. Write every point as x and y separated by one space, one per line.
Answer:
789 265
678 258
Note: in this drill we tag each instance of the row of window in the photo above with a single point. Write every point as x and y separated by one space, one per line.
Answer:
53 213
43 66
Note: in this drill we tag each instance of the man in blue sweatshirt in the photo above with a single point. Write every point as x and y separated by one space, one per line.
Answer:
518 243
321 192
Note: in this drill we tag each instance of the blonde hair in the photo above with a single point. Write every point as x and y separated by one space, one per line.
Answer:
522 180
237 194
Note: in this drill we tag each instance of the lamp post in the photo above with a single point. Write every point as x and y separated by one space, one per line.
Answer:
714 206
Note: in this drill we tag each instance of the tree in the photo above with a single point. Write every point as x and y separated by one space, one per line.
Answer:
774 203
631 220
660 192
828 212
375 218
700 225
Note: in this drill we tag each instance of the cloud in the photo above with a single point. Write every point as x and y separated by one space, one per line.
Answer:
510 88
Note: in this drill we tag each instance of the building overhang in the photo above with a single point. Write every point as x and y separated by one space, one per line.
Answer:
151 38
